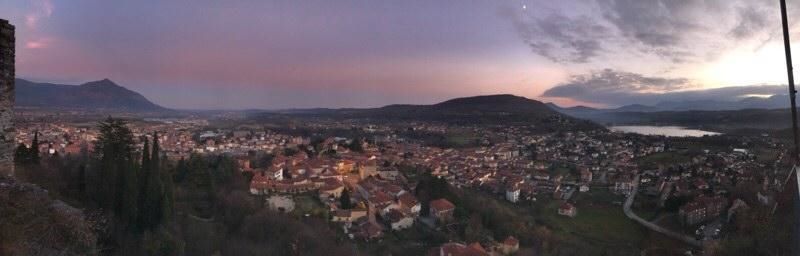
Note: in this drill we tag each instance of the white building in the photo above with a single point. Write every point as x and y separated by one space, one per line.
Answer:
512 194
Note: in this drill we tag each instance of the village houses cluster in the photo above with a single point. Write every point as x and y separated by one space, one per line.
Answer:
521 167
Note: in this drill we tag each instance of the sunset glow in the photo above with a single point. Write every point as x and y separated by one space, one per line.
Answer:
415 52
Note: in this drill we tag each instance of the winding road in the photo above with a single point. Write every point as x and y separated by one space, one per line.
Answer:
652 226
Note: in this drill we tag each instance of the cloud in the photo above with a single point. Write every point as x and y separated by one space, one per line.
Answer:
42 9
675 31
616 88
751 21
38 43
560 38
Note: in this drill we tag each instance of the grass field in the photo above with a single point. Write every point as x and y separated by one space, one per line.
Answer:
309 204
766 155
662 158
600 226
460 139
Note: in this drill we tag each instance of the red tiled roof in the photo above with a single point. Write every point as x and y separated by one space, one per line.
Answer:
457 249
442 205
511 241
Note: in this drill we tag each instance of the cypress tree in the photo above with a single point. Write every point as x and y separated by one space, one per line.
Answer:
130 196
181 170
344 199
34 151
153 189
156 157
167 200
21 155
144 178
146 155
118 179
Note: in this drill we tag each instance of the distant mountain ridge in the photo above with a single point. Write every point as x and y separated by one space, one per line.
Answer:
772 102
487 109
96 95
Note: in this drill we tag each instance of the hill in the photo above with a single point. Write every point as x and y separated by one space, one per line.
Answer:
97 95
489 109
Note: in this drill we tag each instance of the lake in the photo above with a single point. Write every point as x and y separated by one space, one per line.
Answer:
669 131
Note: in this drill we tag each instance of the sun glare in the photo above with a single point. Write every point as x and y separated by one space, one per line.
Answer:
743 66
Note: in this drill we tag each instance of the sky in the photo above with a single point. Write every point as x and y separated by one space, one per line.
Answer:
276 54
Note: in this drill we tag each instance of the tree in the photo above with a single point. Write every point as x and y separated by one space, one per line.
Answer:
22 154
144 178
181 170
287 172
355 145
34 151
152 189
474 231
200 184
168 198
344 199
117 179
264 160
156 157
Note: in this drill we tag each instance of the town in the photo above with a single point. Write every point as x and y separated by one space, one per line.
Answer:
370 180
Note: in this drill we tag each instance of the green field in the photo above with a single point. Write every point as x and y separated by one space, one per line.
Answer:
460 139
309 204
600 226
662 158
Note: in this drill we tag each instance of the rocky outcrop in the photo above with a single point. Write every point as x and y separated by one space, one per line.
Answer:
32 223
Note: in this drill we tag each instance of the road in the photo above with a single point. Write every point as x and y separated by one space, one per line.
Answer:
626 207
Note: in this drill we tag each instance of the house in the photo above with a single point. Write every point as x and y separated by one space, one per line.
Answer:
332 188
512 194
342 215
567 209
586 175
388 173
701 184
509 246
458 249
408 201
365 230
345 166
399 220
541 175
623 184
701 209
370 168
382 202
442 210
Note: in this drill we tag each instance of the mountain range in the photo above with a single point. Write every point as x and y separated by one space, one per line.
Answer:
97 95
487 109
105 95
772 102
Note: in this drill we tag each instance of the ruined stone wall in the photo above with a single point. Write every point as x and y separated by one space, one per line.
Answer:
7 131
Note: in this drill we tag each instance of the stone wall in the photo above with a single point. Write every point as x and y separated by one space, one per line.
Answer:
7 130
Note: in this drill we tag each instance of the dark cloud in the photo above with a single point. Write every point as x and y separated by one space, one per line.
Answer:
615 88
751 21
675 30
560 38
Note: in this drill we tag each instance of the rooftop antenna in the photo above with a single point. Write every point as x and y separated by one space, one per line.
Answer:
789 72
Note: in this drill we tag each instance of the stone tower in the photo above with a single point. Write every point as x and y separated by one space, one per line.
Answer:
7 131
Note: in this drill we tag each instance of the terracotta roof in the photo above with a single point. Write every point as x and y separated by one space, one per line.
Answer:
458 249
442 205
511 240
